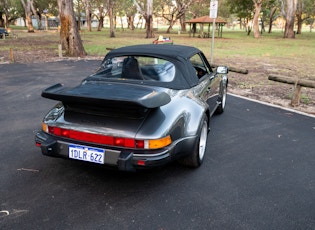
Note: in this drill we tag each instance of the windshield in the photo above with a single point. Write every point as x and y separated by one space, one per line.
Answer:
137 68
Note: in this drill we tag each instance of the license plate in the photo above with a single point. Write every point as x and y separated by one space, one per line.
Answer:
85 153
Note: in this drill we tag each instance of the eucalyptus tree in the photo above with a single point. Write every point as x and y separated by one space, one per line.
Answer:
249 10
243 10
198 8
305 11
4 13
14 9
127 8
110 9
288 9
99 11
174 10
145 8
69 34
10 10
271 12
88 13
28 6
258 5
252 9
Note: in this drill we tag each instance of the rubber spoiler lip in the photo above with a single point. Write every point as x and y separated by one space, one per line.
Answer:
101 94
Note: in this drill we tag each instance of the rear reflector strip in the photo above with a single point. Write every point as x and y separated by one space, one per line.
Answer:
92 137
107 140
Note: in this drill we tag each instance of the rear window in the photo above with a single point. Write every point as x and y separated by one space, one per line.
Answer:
141 68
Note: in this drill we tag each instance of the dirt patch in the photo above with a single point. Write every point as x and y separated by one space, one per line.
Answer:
253 85
256 85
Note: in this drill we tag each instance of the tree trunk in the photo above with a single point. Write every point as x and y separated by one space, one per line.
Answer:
28 15
131 19
111 20
170 27
38 16
88 14
272 13
79 21
100 18
121 23
256 17
149 26
299 23
182 23
311 24
299 15
147 15
291 6
2 22
69 35
149 19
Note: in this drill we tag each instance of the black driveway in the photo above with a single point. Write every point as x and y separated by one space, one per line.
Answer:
259 170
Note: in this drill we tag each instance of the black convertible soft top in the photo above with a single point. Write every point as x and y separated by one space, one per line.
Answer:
171 51
179 55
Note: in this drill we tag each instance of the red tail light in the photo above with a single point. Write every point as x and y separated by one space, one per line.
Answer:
107 140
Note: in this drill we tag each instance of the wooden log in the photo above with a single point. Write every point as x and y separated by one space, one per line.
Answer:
298 83
238 70
232 69
292 81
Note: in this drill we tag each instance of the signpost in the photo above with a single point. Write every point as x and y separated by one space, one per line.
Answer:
213 15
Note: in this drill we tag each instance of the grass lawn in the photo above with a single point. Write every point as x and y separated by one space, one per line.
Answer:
270 54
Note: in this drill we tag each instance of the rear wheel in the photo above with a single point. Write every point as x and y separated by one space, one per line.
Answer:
196 158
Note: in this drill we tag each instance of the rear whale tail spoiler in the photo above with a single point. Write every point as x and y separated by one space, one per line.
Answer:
108 93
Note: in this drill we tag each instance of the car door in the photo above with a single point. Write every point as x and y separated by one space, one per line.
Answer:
207 79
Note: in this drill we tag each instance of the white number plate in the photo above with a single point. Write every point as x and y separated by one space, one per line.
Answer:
84 153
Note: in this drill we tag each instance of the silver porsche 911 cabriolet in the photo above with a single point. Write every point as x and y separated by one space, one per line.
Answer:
145 106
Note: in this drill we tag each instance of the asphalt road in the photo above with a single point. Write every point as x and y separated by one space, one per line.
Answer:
258 171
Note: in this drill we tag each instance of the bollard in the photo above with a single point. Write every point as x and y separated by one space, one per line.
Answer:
296 96
11 55
60 50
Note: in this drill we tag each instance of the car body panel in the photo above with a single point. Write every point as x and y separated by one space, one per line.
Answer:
137 109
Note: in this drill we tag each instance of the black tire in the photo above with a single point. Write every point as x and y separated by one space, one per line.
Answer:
222 99
196 158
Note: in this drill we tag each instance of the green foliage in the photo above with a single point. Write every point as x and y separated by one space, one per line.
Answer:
50 5
305 99
199 8
243 8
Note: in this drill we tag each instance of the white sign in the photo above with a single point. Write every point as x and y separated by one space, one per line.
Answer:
213 9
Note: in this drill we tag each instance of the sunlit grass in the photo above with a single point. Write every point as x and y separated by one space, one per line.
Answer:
234 44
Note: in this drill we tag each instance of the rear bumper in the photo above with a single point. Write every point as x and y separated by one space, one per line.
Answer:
123 159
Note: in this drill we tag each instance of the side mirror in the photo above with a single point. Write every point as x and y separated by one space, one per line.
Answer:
222 69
